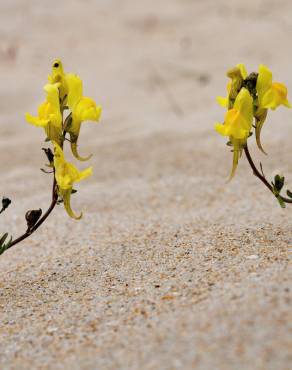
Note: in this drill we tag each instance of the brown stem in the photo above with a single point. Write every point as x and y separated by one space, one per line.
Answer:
258 174
41 220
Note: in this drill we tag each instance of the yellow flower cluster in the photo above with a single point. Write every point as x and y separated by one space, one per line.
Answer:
64 94
248 98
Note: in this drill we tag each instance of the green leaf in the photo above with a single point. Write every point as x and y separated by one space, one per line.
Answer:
3 246
281 202
68 122
3 238
279 182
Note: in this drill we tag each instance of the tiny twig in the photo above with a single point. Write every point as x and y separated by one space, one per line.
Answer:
45 171
262 171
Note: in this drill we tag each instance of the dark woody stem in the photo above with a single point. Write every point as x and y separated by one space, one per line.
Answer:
41 220
259 175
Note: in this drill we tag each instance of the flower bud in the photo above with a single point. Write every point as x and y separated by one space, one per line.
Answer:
32 217
5 203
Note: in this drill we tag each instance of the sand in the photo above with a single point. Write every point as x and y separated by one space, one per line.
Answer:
170 268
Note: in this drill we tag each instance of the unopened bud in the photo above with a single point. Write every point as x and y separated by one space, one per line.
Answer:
32 217
5 202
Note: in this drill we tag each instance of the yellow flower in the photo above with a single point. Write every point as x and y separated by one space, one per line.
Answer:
66 175
237 75
238 124
238 120
71 94
270 94
59 76
83 109
49 114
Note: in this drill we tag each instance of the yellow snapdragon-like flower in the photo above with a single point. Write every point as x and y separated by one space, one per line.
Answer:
237 124
49 114
270 94
237 75
66 175
238 120
83 109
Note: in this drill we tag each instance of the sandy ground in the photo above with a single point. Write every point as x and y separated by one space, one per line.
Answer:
170 268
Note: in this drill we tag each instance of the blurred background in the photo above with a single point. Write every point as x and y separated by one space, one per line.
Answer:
158 188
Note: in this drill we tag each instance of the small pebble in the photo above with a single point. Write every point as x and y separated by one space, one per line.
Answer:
252 257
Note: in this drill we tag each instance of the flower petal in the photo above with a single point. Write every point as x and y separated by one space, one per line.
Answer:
36 121
76 154
222 101
243 70
66 195
52 91
260 120
236 154
75 88
264 82
244 104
